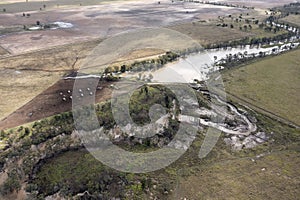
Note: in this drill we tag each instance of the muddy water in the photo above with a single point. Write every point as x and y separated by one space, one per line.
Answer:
198 66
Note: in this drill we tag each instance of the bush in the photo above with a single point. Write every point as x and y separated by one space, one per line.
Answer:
12 183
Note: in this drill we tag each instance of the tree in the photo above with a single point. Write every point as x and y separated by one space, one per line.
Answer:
123 68
150 76
107 70
146 90
4 9
167 101
26 131
38 23
2 134
116 69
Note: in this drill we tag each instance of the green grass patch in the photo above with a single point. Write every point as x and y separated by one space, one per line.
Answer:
272 84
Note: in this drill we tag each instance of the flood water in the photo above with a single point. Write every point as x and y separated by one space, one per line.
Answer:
199 65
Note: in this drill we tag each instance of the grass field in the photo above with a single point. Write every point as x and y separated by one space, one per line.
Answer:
292 20
245 179
272 84
25 76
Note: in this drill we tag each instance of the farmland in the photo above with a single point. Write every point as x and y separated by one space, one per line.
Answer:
46 55
47 146
272 84
230 27
2 51
292 20
28 75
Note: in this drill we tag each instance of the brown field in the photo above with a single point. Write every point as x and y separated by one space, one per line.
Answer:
99 21
40 58
207 33
292 20
3 51
265 4
49 103
28 75
25 76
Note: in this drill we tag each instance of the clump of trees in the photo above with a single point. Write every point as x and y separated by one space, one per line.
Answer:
12 183
233 60
145 65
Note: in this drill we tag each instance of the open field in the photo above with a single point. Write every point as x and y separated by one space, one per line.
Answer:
100 21
271 177
50 102
207 33
21 5
292 20
25 76
272 84
251 17
258 3
2 51
29 77
211 31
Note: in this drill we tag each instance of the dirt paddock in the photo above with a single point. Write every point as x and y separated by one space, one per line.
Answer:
50 102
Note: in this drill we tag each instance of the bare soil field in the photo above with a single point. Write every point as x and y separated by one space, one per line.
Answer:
100 21
22 5
25 76
50 102
258 3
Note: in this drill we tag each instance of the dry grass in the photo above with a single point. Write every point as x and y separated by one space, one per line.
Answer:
25 76
2 51
270 177
292 19
206 33
140 54
272 84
